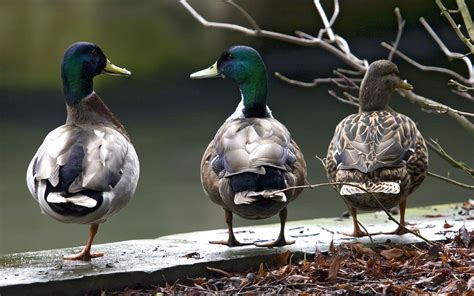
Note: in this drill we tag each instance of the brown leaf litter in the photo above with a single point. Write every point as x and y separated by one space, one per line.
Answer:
347 269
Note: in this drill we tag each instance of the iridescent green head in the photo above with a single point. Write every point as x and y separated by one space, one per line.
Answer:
81 63
245 66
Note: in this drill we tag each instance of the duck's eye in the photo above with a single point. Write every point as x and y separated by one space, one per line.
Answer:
227 56
94 52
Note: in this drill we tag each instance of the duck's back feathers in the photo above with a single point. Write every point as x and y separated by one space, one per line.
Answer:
380 151
371 140
248 145
76 165
248 162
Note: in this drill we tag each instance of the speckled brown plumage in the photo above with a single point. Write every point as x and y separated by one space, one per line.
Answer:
376 148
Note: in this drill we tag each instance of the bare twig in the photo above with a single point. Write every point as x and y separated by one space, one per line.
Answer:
436 147
426 68
327 25
463 94
451 55
449 180
461 87
401 25
315 81
350 59
313 186
350 82
341 99
457 30
429 104
466 16
249 18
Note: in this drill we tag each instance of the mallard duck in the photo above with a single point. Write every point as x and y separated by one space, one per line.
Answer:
377 149
252 160
87 169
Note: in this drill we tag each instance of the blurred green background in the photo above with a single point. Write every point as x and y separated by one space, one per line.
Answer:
171 118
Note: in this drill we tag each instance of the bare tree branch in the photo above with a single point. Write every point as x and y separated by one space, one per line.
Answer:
346 101
457 30
381 206
315 81
350 59
423 67
451 55
449 180
466 18
436 147
401 25
429 104
249 18
461 87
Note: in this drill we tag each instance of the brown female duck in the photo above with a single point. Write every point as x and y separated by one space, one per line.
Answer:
377 149
252 158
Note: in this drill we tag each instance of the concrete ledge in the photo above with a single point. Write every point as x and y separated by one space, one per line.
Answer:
144 263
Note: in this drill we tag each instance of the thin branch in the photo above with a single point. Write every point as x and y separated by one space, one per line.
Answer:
449 180
327 25
401 25
445 12
346 101
448 111
451 55
249 18
466 16
390 217
350 72
351 98
463 94
349 59
436 147
426 68
350 82
461 87
315 81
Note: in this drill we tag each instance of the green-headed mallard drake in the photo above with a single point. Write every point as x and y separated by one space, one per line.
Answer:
377 149
87 169
252 157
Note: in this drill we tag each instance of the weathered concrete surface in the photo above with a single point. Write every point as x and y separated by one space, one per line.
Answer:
141 263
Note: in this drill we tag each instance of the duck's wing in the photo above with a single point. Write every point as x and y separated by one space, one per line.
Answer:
73 159
371 140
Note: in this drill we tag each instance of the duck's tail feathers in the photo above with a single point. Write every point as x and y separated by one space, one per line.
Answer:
79 199
248 197
381 187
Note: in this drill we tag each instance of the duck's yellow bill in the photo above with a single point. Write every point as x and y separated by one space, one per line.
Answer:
206 73
405 85
111 69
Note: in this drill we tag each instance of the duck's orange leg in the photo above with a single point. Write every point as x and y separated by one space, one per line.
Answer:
85 254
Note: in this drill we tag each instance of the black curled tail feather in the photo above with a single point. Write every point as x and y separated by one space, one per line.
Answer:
67 174
273 179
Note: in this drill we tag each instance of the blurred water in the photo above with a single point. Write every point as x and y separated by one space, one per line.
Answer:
171 119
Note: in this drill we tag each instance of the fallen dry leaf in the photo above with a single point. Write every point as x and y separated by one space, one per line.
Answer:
282 258
447 225
334 268
394 253
363 250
